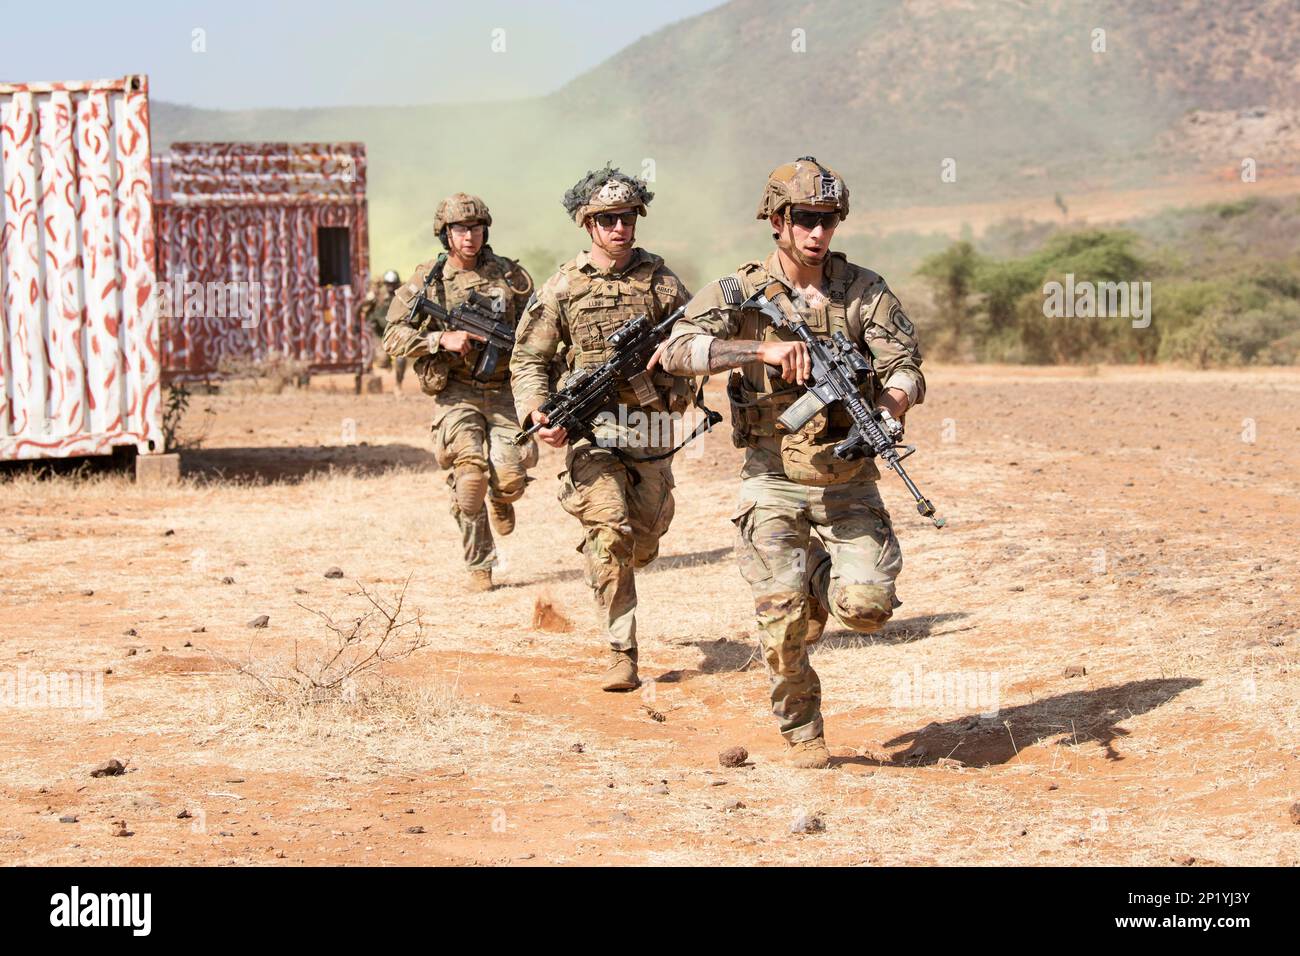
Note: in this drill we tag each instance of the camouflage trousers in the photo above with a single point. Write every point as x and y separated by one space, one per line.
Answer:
625 508
472 434
800 543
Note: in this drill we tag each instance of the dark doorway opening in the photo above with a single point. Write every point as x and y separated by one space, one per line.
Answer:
334 255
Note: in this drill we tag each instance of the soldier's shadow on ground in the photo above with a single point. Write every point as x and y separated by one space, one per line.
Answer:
292 464
728 654
1079 717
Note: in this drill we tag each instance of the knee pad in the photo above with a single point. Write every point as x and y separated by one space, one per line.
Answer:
644 552
510 483
862 607
469 483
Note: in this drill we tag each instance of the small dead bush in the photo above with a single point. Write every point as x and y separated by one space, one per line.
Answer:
331 670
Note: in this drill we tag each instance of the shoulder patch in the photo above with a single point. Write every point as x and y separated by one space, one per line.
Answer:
732 294
900 320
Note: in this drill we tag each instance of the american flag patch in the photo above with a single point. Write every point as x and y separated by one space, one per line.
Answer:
731 291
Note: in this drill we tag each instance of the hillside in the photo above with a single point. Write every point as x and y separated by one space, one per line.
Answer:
885 91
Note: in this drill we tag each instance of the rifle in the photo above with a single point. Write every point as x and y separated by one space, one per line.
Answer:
590 391
838 373
477 315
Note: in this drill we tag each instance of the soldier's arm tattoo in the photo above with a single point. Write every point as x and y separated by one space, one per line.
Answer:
730 353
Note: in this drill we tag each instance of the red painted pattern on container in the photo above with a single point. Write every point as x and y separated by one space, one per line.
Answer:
79 346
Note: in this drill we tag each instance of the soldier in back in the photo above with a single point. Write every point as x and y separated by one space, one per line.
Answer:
474 421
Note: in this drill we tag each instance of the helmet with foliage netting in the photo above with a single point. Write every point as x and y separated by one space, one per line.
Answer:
604 189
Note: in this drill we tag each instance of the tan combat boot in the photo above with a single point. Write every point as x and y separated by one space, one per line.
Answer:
501 515
621 674
809 754
481 580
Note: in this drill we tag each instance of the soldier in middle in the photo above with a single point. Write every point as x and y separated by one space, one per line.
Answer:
622 497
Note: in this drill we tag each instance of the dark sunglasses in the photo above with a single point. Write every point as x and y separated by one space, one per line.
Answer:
808 219
606 220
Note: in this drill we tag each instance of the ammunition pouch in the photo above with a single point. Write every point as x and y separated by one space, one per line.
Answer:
807 455
659 391
433 371
679 393
753 414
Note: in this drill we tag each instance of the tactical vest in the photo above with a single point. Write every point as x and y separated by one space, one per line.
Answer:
491 277
598 305
758 399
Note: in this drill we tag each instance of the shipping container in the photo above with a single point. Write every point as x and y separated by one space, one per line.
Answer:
79 353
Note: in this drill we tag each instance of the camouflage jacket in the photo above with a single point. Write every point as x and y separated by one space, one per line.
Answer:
857 301
493 275
576 309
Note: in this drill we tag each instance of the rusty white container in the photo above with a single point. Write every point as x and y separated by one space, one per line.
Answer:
79 331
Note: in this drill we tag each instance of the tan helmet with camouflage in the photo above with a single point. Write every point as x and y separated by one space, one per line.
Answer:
603 189
807 182
460 207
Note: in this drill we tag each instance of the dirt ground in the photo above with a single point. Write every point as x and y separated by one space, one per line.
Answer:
1135 528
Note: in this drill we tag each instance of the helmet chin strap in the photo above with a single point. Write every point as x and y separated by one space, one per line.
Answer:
786 244
599 244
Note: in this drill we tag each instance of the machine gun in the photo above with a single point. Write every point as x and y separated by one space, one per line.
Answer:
478 315
838 373
590 391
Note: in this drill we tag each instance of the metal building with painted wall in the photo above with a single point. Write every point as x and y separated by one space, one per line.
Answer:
262 252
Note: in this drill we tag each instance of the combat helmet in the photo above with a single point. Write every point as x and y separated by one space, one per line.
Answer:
460 207
603 189
803 181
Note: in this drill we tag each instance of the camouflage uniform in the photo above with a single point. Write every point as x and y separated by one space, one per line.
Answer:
473 421
373 314
812 534
625 505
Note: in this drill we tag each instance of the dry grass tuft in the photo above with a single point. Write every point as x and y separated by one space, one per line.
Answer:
329 671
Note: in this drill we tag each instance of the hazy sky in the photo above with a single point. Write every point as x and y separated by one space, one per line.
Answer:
267 53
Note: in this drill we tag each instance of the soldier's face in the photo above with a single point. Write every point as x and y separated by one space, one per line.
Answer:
614 230
466 239
807 243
